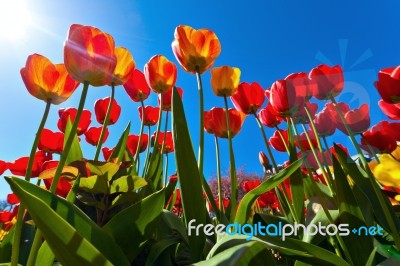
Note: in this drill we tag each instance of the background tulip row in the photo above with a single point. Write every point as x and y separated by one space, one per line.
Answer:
123 208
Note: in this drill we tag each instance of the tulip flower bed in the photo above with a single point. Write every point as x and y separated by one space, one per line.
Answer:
123 209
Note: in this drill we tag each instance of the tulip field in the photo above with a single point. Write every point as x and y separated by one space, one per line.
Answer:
327 203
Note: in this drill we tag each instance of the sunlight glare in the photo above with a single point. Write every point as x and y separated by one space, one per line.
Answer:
14 19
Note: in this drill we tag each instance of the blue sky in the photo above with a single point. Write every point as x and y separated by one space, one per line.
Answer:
267 40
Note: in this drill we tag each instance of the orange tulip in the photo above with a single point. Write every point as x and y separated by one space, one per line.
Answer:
89 55
225 80
215 122
125 66
195 50
47 81
160 73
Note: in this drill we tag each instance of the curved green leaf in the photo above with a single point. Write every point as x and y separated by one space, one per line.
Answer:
127 183
75 152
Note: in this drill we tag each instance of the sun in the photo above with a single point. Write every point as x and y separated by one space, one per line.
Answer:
14 20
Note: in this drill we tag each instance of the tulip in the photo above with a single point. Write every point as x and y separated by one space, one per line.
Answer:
301 116
269 117
125 66
136 86
151 115
263 160
168 143
100 109
63 185
325 123
343 107
388 84
70 113
225 80
276 141
215 122
358 120
51 141
132 143
195 50
89 55
248 98
167 99
286 98
301 84
329 80
302 142
18 167
92 135
160 74
387 172
392 110
46 81
5 216
250 185
378 139
268 199
12 199
3 167
107 152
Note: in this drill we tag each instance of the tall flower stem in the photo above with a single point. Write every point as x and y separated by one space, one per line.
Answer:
371 177
371 149
147 152
260 126
283 139
326 145
136 159
166 170
105 123
163 147
71 136
201 126
19 222
234 190
219 178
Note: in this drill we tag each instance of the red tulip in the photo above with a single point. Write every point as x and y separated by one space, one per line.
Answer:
18 167
329 80
12 199
392 129
5 216
325 123
160 74
89 55
250 185
92 135
47 81
358 120
268 199
248 98
378 139
302 84
124 67
70 113
388 84
269 117
151 115
311 162
167 98
301 116
3 167
136 86
51 141
286 98
107 152
100 109
169 142
392 110
264 161
304 144
343 107
132 143
195 50
63 185
225 204
215 121
276 141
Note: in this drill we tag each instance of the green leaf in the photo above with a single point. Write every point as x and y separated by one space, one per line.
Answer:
127 183
248 200
248 253
156 254
320 218
119 150
106 169
6 246
172 223
134 225
188 174
153 172
94 184
128 197
72 236
75 152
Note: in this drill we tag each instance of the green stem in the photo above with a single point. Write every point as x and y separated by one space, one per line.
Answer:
105 123
135 161
19 222
283 140
166 170
201 126
234 192
260 126
146 162
371 149
371 178
71 136
163 147
219 178
326 145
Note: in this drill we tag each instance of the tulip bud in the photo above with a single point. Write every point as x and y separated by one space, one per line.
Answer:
264 161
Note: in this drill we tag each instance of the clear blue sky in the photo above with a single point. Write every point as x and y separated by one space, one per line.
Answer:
267 40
